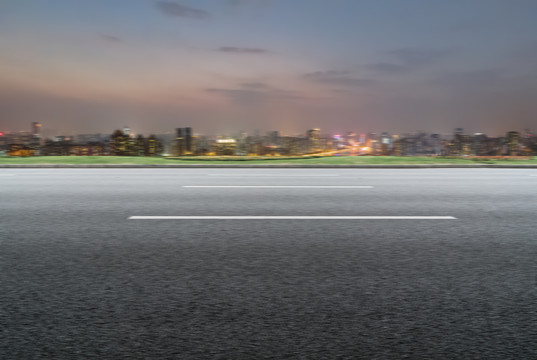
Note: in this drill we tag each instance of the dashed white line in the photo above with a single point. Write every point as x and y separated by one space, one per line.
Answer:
275 175
284 186
292 218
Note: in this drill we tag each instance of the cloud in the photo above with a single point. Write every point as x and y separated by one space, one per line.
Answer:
248 95
233 93
175 9
241 50
110 38
471 80
407 60
415 57
327 73
237 2
387 68
246 2
243 92
242 97
341 91
337 77
254 85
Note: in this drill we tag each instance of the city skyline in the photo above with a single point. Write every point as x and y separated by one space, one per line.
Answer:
313 142
44 132
225 66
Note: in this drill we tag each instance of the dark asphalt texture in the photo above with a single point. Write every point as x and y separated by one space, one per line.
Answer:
79 280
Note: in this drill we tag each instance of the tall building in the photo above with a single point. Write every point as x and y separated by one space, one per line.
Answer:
478 144
35 142
313 137
3 142
184 141
512 139
436 144
36 128
273 137
461 143
226 146
350 138
528 134
386 143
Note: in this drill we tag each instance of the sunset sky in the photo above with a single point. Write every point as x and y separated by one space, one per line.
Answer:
84 66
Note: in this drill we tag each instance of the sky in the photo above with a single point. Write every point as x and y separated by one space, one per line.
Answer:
222 66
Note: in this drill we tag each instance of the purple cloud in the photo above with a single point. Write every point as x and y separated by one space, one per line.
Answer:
110 38
337 77
254 85
241 50
387 68
175 9
419 56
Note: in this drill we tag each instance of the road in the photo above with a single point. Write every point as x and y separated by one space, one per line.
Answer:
80 278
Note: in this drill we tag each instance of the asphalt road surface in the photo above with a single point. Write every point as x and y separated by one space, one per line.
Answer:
81 279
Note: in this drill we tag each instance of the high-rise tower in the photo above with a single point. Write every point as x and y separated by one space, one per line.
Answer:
184 141
36 129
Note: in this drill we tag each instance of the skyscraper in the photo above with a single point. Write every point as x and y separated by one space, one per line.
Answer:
184 141
512 139
35 142
36 128
313 137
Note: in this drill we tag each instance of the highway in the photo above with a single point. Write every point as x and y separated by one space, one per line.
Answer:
268 263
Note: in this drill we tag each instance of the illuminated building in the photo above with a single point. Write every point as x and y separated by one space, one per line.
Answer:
313 137
20 150
36 129
225 146
350 138
461 143
512 140
398 147
153 146
274 137
184 141
478 141
35 142
94 149
436 144
119 143
385 144
3 142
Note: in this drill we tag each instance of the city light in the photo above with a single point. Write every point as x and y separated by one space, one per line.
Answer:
310 142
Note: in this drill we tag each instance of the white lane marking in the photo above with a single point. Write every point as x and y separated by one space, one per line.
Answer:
284 186
273 175
8 174
292 218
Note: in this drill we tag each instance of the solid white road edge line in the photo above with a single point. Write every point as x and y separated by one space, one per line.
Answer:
284 186
292 218
273 175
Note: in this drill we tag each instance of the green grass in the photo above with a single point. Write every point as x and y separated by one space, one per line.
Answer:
82 160
335 160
